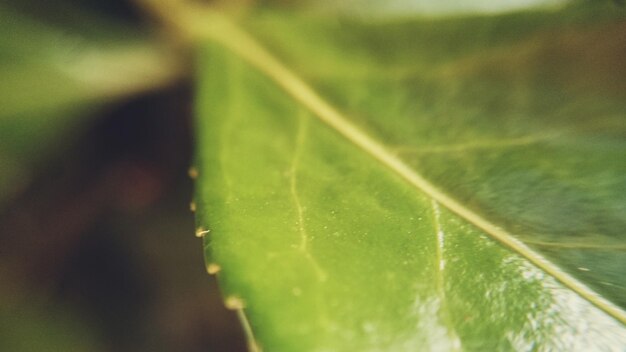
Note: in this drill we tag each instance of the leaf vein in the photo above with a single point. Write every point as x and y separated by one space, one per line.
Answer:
241 43
441 265
470 146
293 186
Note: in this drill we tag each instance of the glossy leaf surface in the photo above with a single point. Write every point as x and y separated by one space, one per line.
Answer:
419 184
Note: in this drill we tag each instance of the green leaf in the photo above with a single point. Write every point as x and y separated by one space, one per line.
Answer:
420 8
417 184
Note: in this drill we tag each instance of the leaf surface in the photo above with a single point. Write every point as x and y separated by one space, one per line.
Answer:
417 184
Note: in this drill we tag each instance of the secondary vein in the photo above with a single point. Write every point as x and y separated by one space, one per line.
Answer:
293 185
441 265
466 147
228 127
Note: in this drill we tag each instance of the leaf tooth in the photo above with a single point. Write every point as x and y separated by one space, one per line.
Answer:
193 172
201 231
213 268
234 302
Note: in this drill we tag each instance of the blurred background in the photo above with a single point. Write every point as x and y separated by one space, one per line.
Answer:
97 245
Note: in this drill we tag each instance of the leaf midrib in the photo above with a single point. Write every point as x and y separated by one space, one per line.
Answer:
218 28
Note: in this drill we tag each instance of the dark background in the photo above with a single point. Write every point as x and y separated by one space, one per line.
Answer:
98 252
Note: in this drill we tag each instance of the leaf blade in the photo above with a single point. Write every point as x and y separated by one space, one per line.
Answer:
272 108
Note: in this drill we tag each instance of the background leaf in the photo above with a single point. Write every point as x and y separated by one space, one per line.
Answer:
517 118
57 69
96 251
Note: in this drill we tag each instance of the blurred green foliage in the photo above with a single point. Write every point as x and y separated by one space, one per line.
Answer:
96 244
57 69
